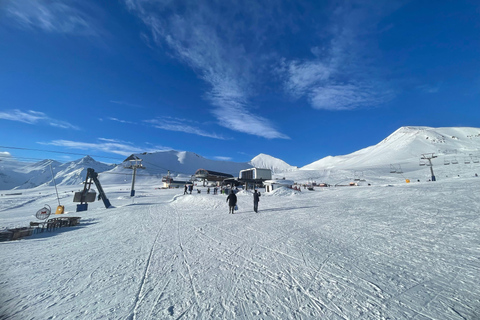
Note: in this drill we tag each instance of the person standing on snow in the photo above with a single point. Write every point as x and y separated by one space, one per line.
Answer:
256 199
232 202
185 190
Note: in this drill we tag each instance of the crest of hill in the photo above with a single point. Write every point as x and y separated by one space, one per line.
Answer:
268 162
30 175
187 163
406 145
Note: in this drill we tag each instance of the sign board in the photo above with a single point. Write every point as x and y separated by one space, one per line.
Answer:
90 197
43 213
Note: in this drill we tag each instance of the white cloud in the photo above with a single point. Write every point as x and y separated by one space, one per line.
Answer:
339 76
181 125
104 145
121 121
220 158
303 76
29 117
347 97
35 117
206 40
54 16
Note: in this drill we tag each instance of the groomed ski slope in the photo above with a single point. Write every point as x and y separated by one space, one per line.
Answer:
406 251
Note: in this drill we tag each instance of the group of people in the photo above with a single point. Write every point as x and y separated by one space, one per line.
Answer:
232 201
188 188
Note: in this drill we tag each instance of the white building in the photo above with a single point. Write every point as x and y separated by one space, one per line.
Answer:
255 174
271 185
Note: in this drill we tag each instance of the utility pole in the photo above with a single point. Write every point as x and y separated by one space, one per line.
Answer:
60 208
134 166
429 157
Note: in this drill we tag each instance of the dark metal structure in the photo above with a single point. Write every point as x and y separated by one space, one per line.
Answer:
92 177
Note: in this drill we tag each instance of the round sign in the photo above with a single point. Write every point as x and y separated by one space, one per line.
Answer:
43 213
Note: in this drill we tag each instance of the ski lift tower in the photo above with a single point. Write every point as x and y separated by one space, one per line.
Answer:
134 164
429 157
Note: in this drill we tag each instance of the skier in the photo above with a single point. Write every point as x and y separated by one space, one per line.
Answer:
232 202
256 199
185 190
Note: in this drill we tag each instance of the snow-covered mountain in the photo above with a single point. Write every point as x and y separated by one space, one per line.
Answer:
181 164
402 148
406 145
268 162
18 175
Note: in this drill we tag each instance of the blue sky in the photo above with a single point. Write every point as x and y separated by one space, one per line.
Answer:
298 80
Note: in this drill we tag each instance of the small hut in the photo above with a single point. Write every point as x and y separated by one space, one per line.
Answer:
271 185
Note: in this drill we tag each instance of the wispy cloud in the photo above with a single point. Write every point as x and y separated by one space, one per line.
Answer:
120 120
238 50
105 145
339 76
220 158
35 117
203 37
181 125
54 16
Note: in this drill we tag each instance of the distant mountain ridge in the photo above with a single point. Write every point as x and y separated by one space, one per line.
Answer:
404 146
268 162
155 165
17 175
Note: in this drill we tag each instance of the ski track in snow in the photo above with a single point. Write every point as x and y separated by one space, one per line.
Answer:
407 252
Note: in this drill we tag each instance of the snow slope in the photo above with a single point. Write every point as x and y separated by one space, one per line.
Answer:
400 151
406 145
21 175
403 251
181 164
266 161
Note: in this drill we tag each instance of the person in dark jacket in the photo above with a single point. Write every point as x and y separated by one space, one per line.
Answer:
232 202
256 199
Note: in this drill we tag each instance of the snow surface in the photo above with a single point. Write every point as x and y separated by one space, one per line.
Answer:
402 150
266 161
406 145
385 251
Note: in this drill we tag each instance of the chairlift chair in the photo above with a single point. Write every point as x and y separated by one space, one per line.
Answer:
422 163
399 170
454 161
392 169
446 162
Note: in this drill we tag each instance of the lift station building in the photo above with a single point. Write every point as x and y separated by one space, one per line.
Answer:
254 176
